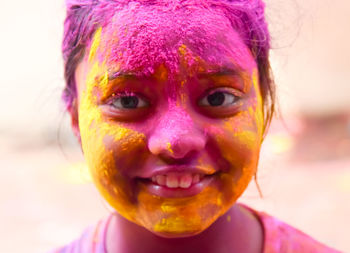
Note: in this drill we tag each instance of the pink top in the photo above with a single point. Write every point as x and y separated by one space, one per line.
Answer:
278 237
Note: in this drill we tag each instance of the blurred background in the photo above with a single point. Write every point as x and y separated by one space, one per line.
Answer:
46 197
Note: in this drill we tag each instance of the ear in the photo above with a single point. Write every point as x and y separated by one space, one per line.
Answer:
73 111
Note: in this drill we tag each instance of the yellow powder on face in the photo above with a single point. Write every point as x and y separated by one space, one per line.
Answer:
95 129
191 63
239 144
95 44
103 85
249 138
168 146
176 225
184 60
259 117
175 216
247 125
180 215
167 208
100 69
183 50
242 128
101 160
191 215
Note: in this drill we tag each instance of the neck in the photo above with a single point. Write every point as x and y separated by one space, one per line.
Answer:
236 231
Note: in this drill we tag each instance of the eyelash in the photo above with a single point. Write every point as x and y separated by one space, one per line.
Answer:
229 94
236 95
125 94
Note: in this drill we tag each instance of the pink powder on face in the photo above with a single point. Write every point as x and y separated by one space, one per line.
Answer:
177 131
84 17
144 37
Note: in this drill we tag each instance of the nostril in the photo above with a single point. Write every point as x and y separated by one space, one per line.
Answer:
187 159
181 149
187 145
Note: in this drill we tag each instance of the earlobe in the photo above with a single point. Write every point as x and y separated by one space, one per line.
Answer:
73 111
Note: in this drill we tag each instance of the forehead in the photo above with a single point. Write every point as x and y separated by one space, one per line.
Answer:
140 38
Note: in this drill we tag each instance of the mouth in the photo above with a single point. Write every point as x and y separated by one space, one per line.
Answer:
177 184
177 180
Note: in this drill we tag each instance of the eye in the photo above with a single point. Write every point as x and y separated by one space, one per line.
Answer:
219 98
129 101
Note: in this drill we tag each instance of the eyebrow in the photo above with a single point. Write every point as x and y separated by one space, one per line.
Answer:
215 72
119 74
235 72
221 72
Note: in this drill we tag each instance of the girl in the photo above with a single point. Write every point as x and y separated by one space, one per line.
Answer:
170 101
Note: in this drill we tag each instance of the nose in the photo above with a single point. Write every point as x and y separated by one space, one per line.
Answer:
176 136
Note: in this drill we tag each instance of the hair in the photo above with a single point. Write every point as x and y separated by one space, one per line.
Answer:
246 17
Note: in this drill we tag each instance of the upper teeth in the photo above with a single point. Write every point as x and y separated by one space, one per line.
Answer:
175 181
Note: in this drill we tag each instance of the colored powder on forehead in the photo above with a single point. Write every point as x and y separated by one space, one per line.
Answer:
140 38
84 17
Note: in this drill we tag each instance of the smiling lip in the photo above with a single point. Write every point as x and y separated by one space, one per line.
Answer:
177 182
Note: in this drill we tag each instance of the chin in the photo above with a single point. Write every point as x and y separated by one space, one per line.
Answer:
181 217
168 234
181 227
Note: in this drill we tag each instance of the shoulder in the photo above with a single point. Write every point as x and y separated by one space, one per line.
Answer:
281 237
92 240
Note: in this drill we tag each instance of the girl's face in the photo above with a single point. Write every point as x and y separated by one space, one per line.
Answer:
170 118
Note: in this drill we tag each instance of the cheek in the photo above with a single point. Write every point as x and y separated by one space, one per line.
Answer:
128 148
109 149
241 136
238 141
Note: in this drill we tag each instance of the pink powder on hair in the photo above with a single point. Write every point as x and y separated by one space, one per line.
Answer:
146 36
